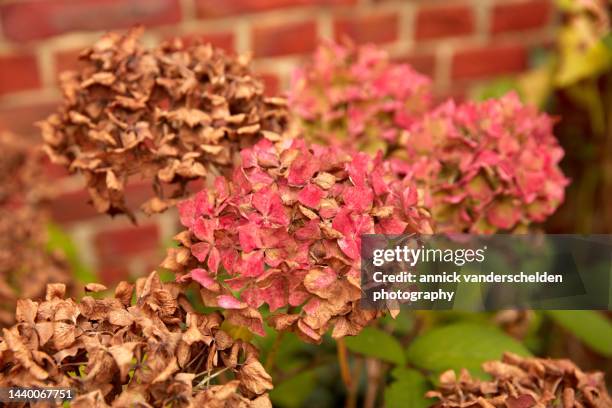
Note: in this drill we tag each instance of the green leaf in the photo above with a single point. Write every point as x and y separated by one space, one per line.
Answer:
408 390
589 326
376 343
58 240
294 391
461 345
494 89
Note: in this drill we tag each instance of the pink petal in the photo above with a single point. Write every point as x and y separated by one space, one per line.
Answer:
200 250
214 259
203 278
311 196
249 237
358 199
230 302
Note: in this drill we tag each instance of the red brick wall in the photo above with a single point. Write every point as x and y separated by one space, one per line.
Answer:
458 43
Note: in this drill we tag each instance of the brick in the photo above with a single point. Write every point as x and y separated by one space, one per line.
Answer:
22 119
489 61
518 16
423 63
75 206
285 39
113 274
72 206
224 40
127 241
380 29
27 20
444 21
54 171
271 83
18 73
66 60
216 8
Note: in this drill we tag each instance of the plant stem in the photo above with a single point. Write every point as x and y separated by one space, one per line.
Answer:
351 401
374 370
273 352
345 370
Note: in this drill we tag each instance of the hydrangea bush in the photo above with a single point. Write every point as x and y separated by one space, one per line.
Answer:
275 236
285 231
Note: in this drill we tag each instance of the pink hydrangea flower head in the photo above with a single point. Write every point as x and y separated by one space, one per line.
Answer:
285 233
487 167
355 96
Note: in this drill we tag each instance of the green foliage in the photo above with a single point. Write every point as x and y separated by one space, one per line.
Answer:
589 326
461 345
376 343
407 390
293 392
495 89
58 240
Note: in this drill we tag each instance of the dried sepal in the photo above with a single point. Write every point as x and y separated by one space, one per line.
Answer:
518 382
165 115
115 352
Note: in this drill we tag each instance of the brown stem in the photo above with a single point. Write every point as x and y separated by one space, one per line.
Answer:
351 400
374 370
274 351
345 370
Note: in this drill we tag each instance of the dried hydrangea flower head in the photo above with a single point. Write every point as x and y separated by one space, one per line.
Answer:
519 382
285 231
488 167
156 352
26 266
356 97
21 180
169 115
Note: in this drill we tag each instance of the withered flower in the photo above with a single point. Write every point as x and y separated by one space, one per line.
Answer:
285 231
167 115
21 180
155 352
519 382
26 266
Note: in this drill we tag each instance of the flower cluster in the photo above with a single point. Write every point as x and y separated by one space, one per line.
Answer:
20 172
157 352
26 266
165 114
486 167
356 97
285 231
524 382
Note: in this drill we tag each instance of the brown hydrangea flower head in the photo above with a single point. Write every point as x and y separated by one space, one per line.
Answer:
166 115
519 382
21 180
285 232
26 266
155 351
